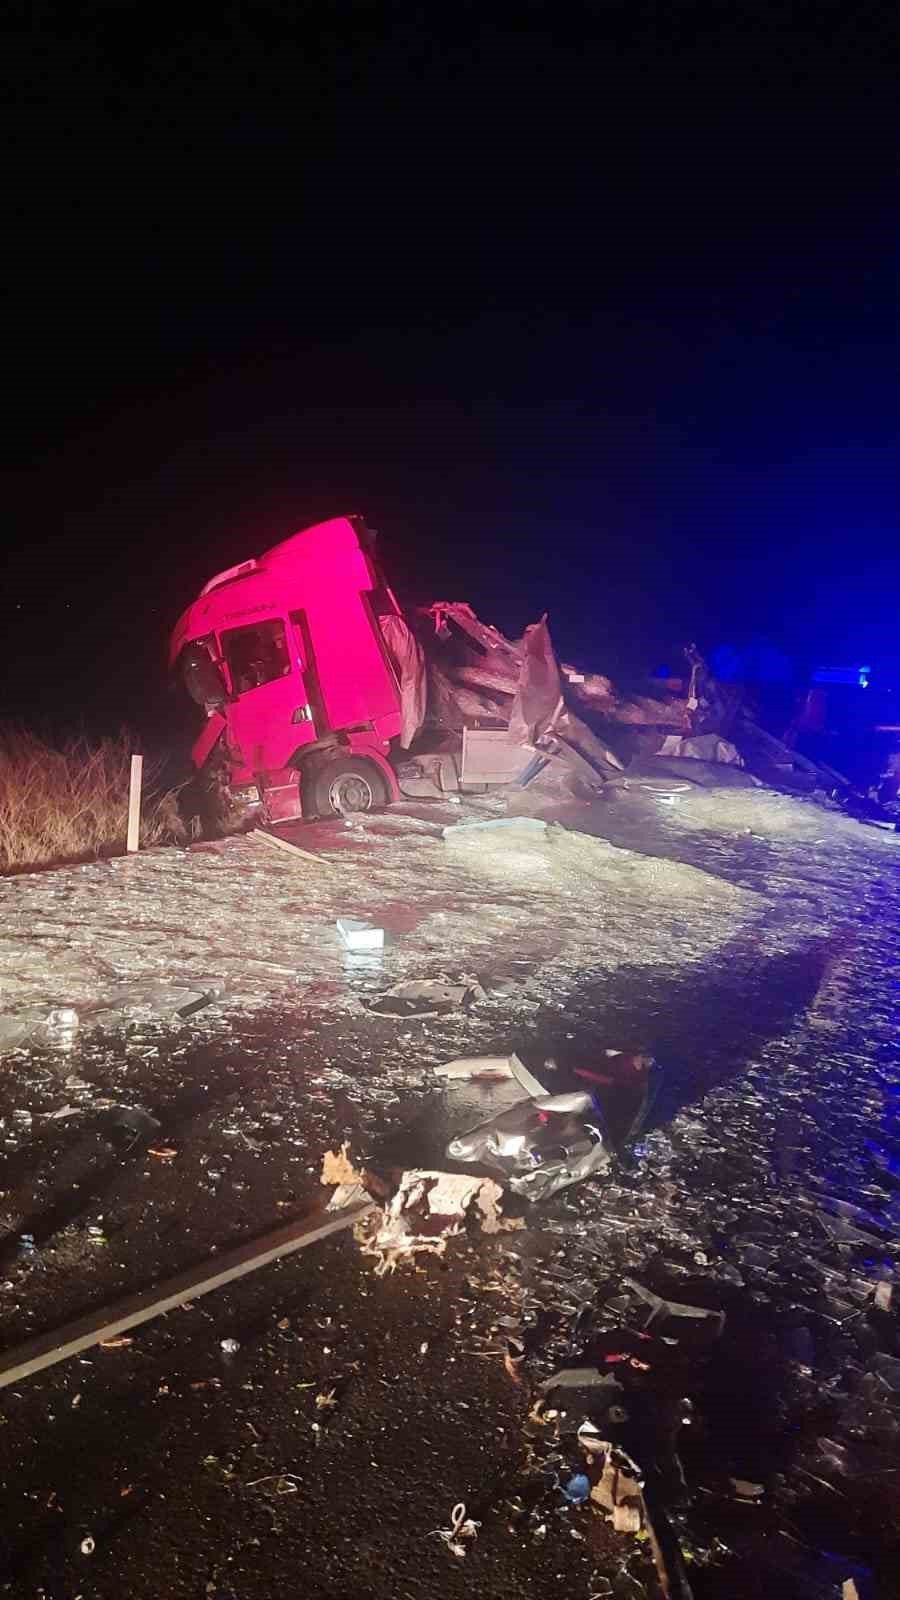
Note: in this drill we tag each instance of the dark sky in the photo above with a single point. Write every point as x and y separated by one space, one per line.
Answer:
589 308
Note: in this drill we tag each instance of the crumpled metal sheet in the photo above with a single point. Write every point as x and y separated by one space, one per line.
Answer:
702 747
408 660
538 698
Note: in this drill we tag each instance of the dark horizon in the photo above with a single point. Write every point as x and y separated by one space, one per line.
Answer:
592 313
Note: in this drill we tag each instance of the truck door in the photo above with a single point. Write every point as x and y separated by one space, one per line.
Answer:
268 716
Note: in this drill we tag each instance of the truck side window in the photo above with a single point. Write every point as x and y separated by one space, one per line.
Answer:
256 654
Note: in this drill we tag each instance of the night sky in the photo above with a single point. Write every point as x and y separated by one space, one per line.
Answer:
588 308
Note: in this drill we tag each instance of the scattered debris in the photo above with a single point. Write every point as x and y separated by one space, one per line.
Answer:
338 1168
134 1120
287 847
347 1195
746 1490
619 1488
358 935
285 1482
427 1209
461 1527
426 997
463 832
476 1068
541 1145
702 747
59 1344
577 1489
485 1069
229 1347
660 1312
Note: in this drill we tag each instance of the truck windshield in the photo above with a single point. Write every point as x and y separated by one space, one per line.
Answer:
256 654
201 676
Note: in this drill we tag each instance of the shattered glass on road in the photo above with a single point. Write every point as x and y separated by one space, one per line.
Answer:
759 968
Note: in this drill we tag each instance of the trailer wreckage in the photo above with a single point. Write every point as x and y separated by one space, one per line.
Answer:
322 697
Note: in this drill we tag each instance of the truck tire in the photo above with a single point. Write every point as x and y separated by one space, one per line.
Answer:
345 785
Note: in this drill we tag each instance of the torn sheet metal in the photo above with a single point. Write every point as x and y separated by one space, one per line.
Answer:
542 1145
408 661
476 1068
426 997
702 747
538 700
500 651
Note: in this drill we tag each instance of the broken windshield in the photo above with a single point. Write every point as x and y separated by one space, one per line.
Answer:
201 676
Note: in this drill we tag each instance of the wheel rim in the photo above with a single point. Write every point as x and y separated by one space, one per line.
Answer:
351 792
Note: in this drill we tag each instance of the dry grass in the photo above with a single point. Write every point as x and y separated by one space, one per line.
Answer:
69 802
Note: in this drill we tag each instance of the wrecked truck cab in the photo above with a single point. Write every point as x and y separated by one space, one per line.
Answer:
313 683
286 656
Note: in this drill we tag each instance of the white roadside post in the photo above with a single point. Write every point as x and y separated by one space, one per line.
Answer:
134 804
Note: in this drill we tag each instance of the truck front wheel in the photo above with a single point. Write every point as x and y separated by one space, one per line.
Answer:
347 785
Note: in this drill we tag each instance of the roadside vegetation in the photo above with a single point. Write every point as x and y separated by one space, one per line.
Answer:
68 801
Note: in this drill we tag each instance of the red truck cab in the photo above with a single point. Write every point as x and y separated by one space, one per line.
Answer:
286 656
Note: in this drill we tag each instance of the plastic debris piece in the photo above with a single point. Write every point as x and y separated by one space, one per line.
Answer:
338 1168
358 935
61 1027
619 1488
661 1311
461 1527
745 1490
347 1194
580 1393
883 1294
476 1068
702 747
229 1347
426 1210
88 1545
426 997
578 1489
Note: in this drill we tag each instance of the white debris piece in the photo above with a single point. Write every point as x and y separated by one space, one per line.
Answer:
486 1068
347 1194
469 1067
358 935
428 1209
